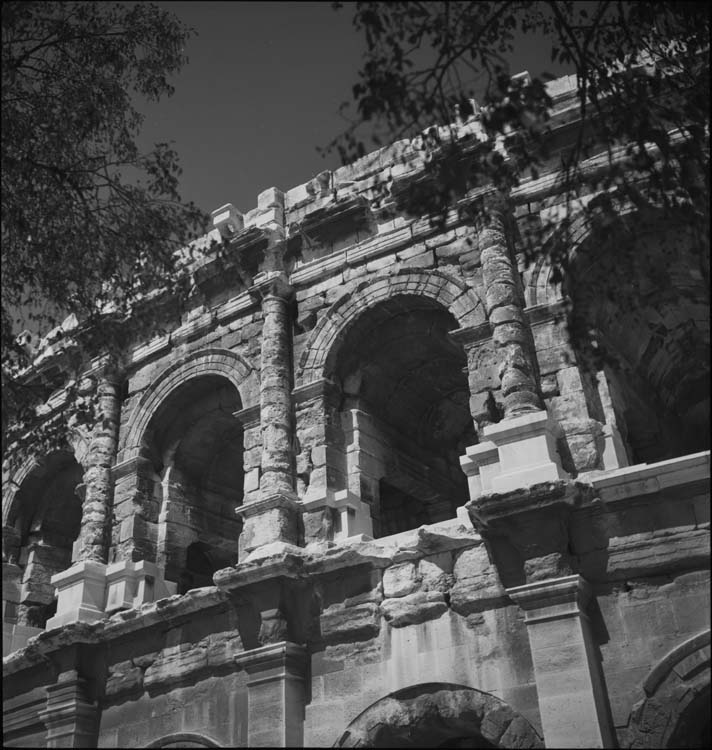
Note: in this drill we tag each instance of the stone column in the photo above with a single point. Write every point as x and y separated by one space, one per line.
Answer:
96 512
81 590
572 695
274 517
71 717
276 694
524 442
505 310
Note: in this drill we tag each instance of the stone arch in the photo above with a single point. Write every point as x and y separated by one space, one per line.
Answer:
217 362
42 514
183 739
9 495
675 712
437 714
539 289
642 335
452 294
403 416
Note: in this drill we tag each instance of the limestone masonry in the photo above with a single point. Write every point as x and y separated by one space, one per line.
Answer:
365 492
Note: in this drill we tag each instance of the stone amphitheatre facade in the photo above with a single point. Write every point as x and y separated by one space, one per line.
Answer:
365 492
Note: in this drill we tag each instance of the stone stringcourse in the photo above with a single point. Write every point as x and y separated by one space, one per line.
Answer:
365 492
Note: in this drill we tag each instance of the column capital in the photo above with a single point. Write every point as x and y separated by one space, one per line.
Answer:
273 661
553 598
71 716
271 284
275 694
278 500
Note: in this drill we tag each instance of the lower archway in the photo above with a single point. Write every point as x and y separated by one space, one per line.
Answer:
675 713
184 739
440 714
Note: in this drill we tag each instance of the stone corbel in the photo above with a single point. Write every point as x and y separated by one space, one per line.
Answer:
527 530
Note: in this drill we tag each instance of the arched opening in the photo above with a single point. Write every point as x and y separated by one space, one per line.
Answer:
183 739
439 715
640 294
405 415
196 447
47 518
675 712
692 729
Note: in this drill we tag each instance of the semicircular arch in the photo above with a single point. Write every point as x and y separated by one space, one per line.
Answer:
30 466
183 739
12 487
677 693
213 362
452 294
431 714
563 241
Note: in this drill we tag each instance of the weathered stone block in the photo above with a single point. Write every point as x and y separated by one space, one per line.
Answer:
400 580
414 608
340 623
436 572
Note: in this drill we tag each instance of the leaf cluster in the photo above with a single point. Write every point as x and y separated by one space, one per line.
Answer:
642 73
89 222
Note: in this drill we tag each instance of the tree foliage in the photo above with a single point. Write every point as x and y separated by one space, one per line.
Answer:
642 73
89 222
636 136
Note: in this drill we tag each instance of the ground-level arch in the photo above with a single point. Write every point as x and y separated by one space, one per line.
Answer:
439 714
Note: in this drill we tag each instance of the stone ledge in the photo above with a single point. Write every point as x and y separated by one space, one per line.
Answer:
118 625
644 479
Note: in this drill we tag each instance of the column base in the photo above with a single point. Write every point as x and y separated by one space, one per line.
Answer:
271 519
130 584
81 593
354 516
517 453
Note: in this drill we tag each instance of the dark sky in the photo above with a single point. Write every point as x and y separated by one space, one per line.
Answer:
261 91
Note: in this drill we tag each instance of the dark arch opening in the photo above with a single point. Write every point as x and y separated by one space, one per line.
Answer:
640 294
48 516
439 715
693 726
405 412
196 447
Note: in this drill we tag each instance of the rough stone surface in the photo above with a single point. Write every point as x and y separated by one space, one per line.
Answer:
414 608
286 453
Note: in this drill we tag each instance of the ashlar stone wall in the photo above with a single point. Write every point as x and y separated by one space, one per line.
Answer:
366 490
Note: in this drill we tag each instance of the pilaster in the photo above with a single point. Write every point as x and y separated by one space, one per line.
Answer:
275 694
71 717
572 695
